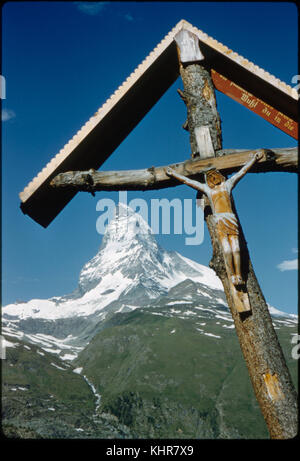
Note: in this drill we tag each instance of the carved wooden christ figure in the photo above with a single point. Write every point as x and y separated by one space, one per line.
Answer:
218 190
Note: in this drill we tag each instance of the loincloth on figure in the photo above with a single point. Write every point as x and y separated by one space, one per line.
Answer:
226 224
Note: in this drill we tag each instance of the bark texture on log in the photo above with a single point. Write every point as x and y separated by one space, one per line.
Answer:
202 110
267 368
259 344
227 161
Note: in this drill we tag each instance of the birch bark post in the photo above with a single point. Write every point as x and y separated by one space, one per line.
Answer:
266 364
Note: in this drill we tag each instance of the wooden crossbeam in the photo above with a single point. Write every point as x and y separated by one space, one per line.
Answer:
156 178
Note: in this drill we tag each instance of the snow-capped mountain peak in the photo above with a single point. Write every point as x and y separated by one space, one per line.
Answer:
130 249
129 263
129 271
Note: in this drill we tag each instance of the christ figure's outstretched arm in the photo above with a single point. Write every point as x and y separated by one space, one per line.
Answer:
189 182
231 182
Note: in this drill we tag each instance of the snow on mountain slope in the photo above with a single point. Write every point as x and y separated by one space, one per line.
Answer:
129 271
128 261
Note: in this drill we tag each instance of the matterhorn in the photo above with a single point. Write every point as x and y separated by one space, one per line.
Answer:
129 271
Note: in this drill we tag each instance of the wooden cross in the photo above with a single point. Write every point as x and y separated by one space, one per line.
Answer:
267 368
218 192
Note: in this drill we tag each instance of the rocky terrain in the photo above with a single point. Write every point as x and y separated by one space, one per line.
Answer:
145 347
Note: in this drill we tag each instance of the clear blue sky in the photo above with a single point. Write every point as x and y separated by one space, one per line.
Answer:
62 61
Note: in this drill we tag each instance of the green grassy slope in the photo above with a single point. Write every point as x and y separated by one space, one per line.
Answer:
182 383
159 376
43 398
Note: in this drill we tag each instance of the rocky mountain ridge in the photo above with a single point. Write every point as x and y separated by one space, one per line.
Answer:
144 347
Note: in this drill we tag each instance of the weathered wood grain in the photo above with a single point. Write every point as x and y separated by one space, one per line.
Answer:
204 143
188 46
227 161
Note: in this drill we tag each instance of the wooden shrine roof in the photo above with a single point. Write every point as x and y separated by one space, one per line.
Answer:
125 108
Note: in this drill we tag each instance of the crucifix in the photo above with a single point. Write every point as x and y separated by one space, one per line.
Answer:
218 191
202 63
